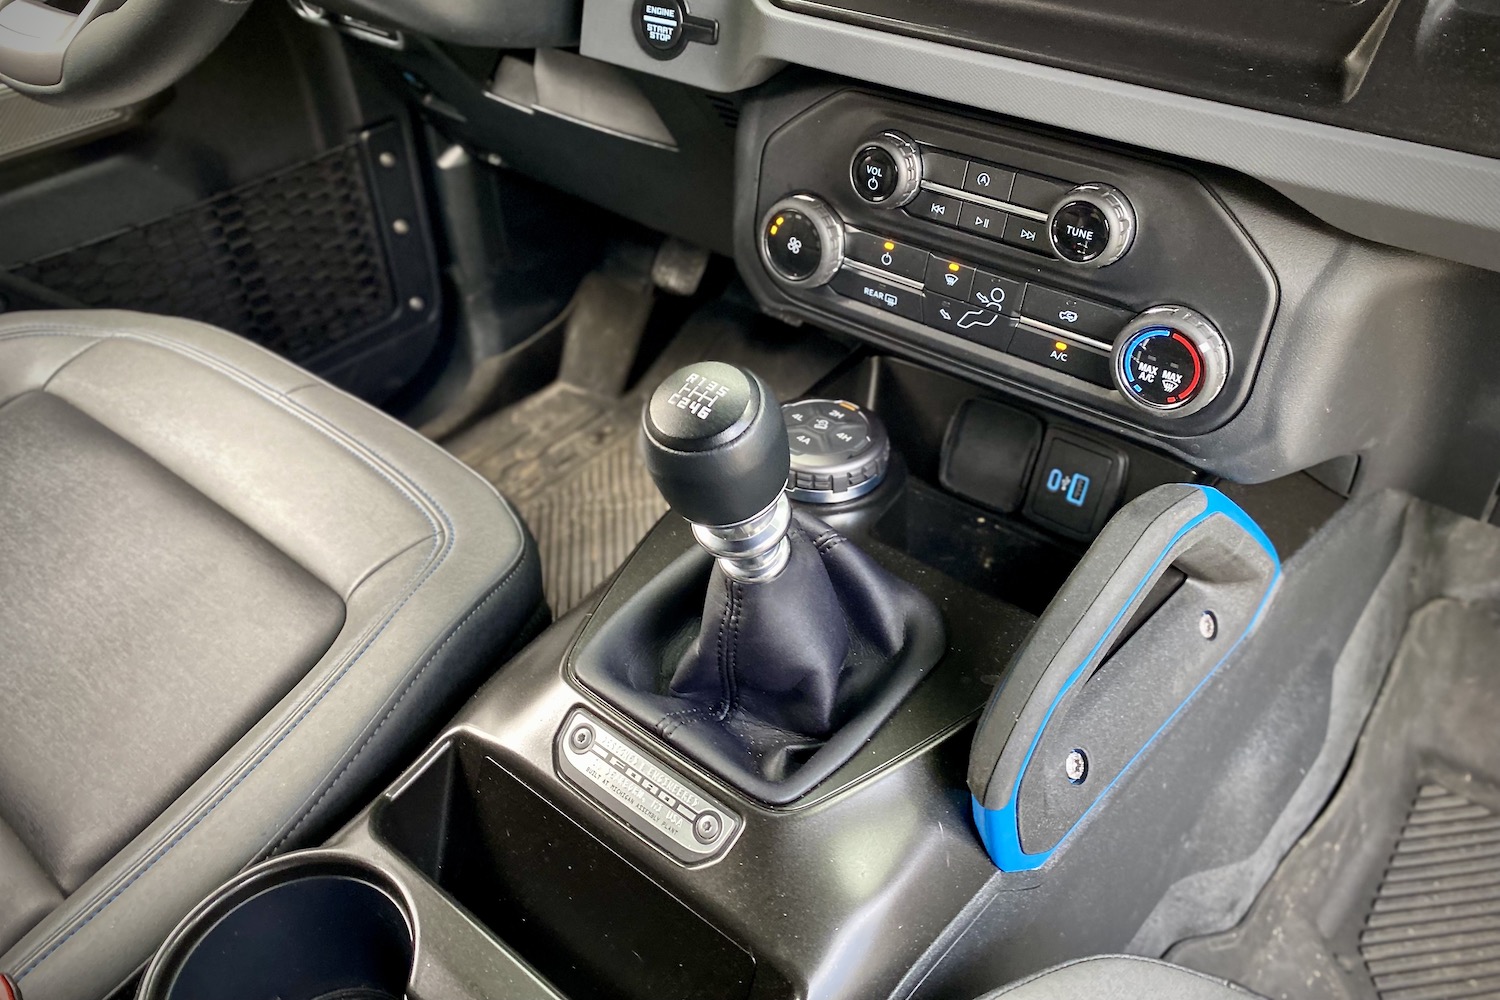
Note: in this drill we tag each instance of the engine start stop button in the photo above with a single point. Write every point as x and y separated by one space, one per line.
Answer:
661 23
664 27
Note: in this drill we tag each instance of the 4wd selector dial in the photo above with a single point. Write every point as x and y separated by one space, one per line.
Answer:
1171 361
887 170
1092 225
802 240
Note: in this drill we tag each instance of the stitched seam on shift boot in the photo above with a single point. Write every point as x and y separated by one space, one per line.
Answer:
406 690
722 650
732 649
334 434
682 719
829 541
663 723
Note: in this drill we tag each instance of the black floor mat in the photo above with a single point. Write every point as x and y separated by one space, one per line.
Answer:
567 458
1394 893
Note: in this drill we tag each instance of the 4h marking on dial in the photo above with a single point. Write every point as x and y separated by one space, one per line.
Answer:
698 395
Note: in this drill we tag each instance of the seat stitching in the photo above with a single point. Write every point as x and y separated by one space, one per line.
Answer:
406 690
301 413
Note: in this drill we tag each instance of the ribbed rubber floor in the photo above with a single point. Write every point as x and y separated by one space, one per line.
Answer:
570 463
1433 932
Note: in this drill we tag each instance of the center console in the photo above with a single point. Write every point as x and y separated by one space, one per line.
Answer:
1118 285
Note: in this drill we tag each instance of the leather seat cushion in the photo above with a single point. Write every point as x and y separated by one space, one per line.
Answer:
234 599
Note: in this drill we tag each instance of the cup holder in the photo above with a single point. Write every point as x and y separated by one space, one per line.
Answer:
308 926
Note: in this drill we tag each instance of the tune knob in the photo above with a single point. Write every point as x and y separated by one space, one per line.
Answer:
802 240
1092 225
887 170
1171 361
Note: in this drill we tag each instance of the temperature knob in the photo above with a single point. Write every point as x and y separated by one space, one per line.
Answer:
1171 361
887 170
802 240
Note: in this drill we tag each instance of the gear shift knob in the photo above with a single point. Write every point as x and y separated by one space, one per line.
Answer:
716 444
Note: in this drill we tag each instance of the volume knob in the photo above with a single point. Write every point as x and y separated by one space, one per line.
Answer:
802 241
887 170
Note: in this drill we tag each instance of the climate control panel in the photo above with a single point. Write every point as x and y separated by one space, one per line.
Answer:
1116 284
1168 360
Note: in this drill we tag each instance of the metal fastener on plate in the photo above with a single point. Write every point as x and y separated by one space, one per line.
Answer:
1076 766
707 826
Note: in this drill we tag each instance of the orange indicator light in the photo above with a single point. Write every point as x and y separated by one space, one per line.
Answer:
1060 346
952 266
889 245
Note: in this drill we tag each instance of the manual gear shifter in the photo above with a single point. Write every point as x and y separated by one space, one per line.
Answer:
801 644
716 446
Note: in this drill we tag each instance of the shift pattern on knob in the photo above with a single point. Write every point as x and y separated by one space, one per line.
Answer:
715 443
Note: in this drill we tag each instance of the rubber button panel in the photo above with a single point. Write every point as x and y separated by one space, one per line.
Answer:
949 277
1062 356
989 180
971 322
935 208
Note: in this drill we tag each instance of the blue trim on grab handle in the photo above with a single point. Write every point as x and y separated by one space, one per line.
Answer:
1000 829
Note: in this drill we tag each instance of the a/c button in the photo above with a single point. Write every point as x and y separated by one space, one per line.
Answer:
1062 356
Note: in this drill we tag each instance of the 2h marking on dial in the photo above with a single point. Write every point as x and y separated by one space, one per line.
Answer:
698 395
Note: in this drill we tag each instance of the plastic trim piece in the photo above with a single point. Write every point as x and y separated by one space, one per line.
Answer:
999 829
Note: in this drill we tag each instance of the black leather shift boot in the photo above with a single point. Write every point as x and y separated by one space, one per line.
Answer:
770 685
